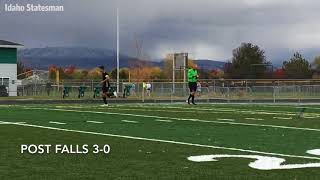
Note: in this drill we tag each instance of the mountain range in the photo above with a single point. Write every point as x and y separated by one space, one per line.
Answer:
86 58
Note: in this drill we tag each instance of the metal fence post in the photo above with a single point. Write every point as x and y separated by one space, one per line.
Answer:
299 94
228 91
142 93
274 95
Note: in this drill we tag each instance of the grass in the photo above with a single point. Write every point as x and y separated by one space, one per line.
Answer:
247 127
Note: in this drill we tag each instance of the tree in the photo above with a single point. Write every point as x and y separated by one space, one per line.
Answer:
52 72
244 60
297 67
146 73
123 74
21 69
94 73
316 63
217 74
167 69
279 74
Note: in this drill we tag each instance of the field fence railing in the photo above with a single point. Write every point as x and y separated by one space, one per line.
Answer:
164 90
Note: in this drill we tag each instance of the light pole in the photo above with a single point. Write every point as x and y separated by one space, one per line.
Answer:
118 63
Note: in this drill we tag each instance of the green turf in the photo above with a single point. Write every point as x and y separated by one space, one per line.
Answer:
141 159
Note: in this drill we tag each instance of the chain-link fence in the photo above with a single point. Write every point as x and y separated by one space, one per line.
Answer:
208 90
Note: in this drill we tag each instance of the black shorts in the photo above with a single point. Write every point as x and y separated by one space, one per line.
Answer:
105 89
193 86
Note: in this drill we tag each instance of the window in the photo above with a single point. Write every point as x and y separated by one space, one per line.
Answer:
4 81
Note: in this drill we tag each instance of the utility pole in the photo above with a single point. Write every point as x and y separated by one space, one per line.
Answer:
118 63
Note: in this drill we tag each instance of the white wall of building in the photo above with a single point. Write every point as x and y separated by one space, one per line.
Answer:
10 71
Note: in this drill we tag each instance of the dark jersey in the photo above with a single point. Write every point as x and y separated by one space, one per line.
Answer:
105 83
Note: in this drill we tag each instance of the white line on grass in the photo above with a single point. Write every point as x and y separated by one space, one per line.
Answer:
54 122
218 110
162 120
255 119
167 141
95 122
179 119
199 110
222 119
127 121
284 118
310 117
2 122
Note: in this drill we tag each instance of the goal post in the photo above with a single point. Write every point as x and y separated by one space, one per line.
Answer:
179 64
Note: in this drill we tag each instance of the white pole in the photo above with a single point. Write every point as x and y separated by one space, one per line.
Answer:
118 63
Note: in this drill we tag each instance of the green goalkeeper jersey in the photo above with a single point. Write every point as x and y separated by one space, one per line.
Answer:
192 75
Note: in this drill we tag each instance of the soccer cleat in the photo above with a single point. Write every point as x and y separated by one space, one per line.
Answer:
104 105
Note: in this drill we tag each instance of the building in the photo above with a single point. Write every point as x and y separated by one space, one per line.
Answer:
8 66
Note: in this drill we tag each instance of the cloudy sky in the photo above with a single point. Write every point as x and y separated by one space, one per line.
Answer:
208 29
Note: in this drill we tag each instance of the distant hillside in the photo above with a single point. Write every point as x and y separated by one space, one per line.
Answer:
210 64
42 58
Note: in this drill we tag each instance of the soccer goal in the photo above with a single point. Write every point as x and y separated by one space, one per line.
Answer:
180 67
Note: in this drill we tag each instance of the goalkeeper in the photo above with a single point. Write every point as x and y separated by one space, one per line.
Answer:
192 80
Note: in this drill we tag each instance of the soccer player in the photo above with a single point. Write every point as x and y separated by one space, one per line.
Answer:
192 79
105 85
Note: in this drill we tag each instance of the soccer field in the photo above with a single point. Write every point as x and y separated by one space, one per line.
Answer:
163 141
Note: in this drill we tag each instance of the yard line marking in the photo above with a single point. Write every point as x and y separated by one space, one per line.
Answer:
284 118
161 120
202 110
127 121
95 122
166 141
310 117
222 119
179 119
1 122
257 119
218 110
54 122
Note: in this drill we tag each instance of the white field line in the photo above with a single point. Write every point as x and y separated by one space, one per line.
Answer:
222 119
216 110
179 119
187 110
127 121
166 141
213 110
95 122
160 110
163 120
1 122
284 118
255 119
309 117
54 122
205 111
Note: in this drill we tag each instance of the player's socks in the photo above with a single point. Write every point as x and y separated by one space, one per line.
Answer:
193 100
105 100
189 99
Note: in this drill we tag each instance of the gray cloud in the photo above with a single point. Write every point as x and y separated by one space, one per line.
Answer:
205 28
